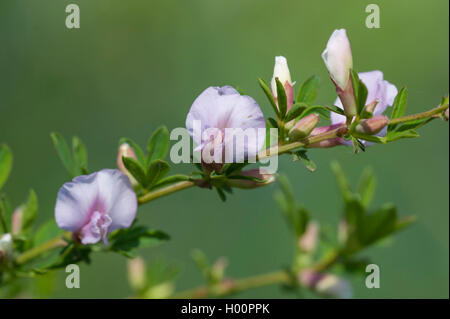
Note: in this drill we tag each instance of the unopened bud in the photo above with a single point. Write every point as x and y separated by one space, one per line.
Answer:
446 115
308 241
281 71
6 247
16 221
373 125
333 286
126 150
137 273
262 179
304 127
370 108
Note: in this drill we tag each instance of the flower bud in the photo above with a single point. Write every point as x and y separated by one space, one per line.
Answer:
446 115
16 221
338 60
370 108
333 286
248 183
126 150
304 127
6 247
373 125
281 71
308 241
137 273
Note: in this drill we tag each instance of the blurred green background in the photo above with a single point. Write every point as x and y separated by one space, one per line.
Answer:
134 65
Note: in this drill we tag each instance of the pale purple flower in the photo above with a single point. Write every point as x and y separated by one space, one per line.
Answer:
91 206
220 108
379 90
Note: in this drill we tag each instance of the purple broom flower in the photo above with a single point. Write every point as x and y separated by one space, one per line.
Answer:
380 92
91 206
220 108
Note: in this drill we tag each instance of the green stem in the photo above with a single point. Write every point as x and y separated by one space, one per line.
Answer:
56 242
165 191
419 116
228 287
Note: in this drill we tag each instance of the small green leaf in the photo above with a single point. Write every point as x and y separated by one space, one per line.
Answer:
282 98
80 155
171 180
158 145
308 90
341 181
335 109
303 157
156 171
126 240
370 138
399 107
296 110
222 195
362 97
6 160
272 122
395 135
366 186
318 109
379 224
136 169
30 209
46 232
63 151
269 96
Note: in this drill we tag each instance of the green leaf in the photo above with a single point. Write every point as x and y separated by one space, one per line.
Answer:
222 195
136 148
282 99
296 110
136 169
379 224
64 154
6 160
341 181
413 125
5 217
399 107
272 122
308 90
202 262
126 240
303 157
30 209
370 138
171 180
156 171
395 135
318 109
46 232
158 145
335 109
366 186
362 97
80 155
269 96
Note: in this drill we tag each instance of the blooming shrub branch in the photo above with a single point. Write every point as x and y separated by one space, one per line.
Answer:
96 211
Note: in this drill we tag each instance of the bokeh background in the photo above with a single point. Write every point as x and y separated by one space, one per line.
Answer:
134 65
